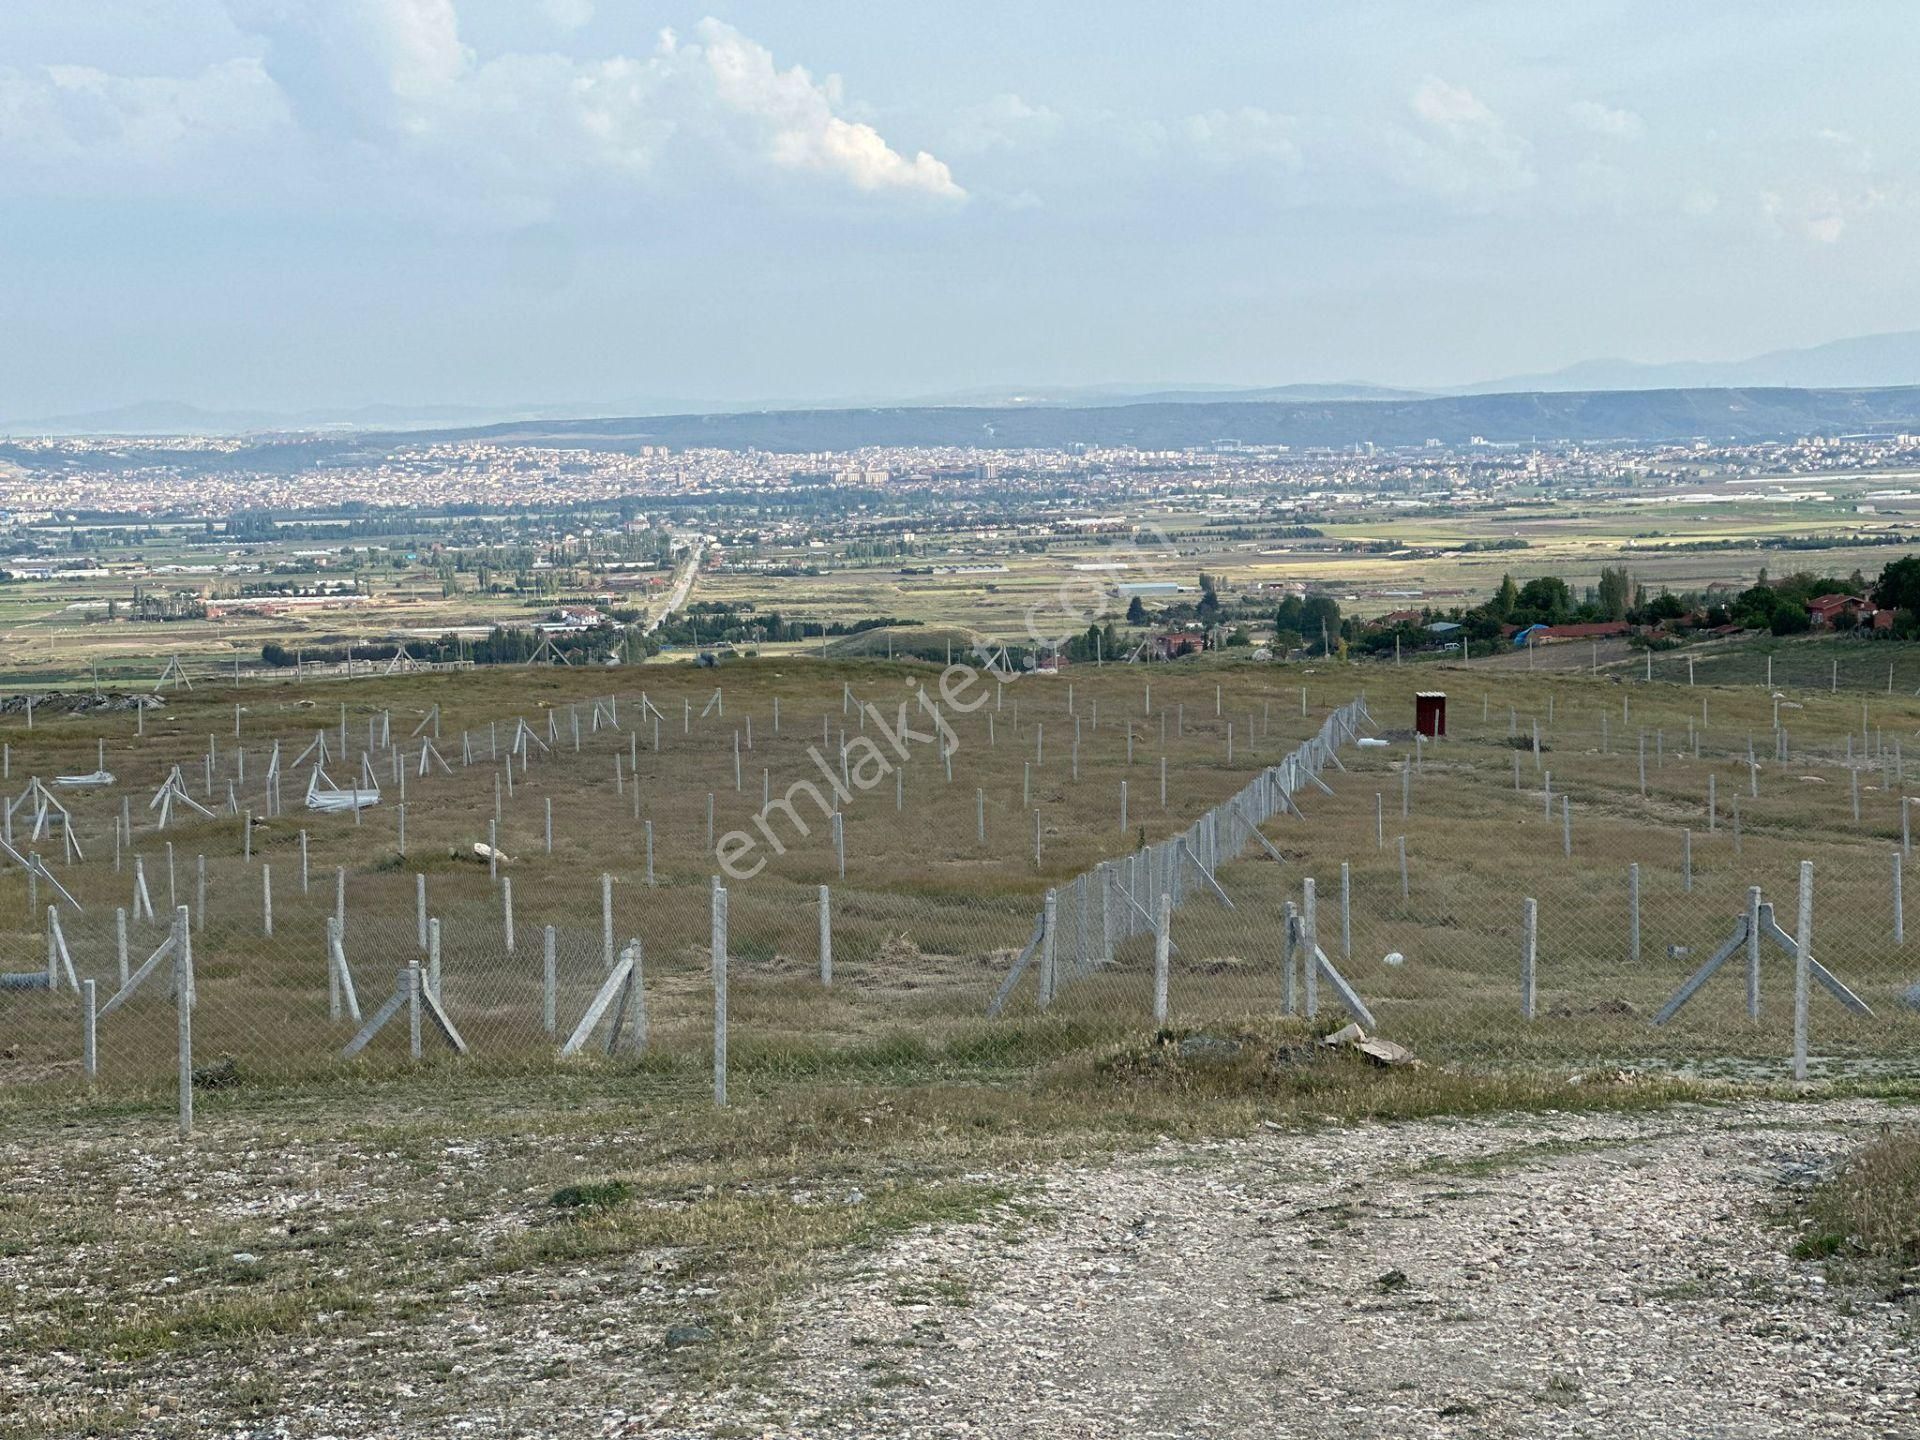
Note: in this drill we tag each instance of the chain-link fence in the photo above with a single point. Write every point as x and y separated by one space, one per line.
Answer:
887 873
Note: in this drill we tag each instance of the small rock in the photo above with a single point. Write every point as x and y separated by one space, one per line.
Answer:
1209 1048
679 1337
1393 957
223 1074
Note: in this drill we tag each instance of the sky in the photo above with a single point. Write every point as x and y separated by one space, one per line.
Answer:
298 203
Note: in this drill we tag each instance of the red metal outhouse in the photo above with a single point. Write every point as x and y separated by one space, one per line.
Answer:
1430 713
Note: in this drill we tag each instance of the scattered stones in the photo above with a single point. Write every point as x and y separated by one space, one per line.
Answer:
1615 1274
79 702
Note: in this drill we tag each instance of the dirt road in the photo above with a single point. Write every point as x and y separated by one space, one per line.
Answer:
1600 1275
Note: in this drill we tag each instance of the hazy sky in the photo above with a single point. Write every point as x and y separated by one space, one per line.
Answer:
292 202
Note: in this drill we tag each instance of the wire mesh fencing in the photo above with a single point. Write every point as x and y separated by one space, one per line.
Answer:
774 879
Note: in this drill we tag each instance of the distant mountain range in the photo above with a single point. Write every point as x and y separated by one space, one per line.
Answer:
1589 416
1884 363
1864 362
162 417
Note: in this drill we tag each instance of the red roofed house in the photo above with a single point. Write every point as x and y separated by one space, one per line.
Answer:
1827 610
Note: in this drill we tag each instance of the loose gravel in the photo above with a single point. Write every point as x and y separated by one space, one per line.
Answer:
1539 1276
1619 1275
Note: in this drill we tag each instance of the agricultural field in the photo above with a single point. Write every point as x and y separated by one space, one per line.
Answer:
619 842
989 582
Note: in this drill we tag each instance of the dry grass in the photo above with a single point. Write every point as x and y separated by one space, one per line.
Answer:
927 918
1869 1213
134 1267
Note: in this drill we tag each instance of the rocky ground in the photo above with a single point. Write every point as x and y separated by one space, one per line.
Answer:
1602 1275
1607 1274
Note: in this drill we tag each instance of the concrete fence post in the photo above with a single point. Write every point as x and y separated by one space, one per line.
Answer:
1529 959
549 979
606 922
1802 964
1899 907
410 977
89 1032
1633 913
1049 936
333 969
1162 952
826 937
719 952
1309 938
183 1009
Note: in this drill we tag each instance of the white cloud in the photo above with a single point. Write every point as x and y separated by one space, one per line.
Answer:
796 119
1245 135
1005 122
360 67
390 105
65 121
1853 152
1819 212
1453 108
1459 146
1606 120
1827 229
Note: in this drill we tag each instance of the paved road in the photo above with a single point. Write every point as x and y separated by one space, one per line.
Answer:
682 589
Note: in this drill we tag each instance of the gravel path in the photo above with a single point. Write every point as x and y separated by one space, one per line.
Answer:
1596 1275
